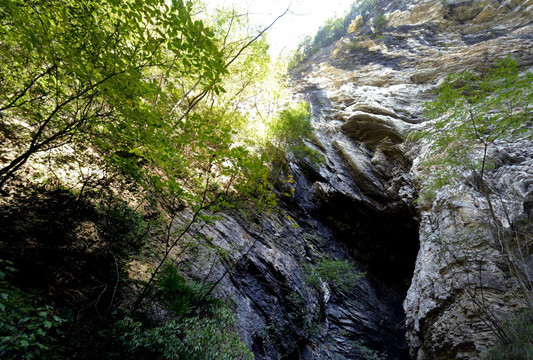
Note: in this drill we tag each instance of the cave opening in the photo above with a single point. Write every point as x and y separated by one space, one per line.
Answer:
384 241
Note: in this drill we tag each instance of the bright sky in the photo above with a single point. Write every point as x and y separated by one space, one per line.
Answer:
305 18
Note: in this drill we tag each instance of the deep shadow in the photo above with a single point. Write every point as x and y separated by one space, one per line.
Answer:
386 242
65 249
73 254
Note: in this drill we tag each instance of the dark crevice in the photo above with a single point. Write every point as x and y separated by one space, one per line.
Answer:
385 241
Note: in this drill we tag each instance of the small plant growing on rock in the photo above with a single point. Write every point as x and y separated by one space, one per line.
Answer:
288 132
379 22
300 313
368 353
339 273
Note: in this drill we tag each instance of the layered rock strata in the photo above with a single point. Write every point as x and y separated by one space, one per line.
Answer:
374 92
366 93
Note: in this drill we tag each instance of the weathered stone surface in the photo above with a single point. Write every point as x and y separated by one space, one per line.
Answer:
359 204
267 273
366 100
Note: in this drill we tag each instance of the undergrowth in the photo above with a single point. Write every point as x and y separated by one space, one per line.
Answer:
29 328
520 344
74 254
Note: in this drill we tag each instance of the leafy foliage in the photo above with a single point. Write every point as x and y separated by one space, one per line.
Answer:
153 99
288 132
300 314
200 327
181 296
127 80
520 346
183 338
87 70
368 353
292 124
303 321
124 229
379 22
339 273
125 83
26 325
335 28
473 112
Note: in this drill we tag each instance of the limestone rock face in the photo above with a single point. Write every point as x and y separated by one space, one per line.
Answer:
366 94
279 314
367 98
375 93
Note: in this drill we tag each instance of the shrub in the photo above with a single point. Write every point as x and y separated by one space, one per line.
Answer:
124 229
355 24
339 273
288 132
519 346
191 338
301 313
26 325
335 28
471 113
180 296
200 326
379 22
368 354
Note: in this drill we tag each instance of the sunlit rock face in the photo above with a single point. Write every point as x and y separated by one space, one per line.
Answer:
366 96
366 93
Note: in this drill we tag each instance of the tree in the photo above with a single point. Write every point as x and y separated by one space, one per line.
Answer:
473 113
147 91
94 72
125 82
139 85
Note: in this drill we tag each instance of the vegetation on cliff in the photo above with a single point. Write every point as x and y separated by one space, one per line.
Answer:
129 127
335 28
125 126
473 114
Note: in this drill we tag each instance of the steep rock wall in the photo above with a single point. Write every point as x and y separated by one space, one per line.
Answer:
377 87
366 93
280 315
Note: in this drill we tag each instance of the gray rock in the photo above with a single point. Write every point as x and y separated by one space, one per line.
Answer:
437 256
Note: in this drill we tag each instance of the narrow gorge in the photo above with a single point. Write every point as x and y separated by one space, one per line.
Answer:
354 263
366 93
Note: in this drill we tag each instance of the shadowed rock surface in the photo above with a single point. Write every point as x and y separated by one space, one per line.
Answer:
359 204
427 263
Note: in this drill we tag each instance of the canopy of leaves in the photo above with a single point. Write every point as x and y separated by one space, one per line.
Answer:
137 84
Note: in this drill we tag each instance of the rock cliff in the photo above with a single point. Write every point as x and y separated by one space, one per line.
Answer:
354 265
366 93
